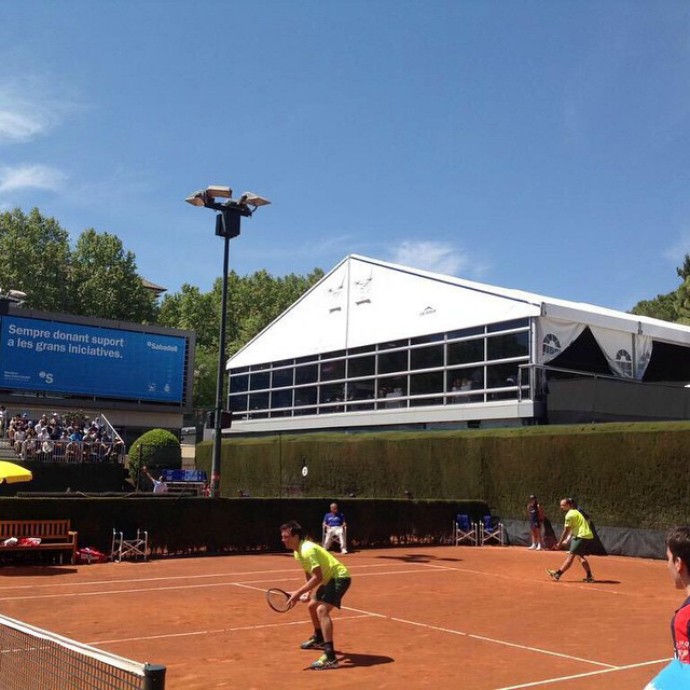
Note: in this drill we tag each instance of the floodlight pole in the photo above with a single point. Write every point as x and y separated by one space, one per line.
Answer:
227 227
228 220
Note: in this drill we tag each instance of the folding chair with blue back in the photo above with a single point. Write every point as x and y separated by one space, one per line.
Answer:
465 531
491 531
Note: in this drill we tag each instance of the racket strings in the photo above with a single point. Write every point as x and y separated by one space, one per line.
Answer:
277 599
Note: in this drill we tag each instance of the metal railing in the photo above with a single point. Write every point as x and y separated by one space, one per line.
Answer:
65 451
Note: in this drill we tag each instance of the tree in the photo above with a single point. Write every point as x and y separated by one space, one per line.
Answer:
105 282
684 270
155 449
257 299
253 302
682 302
192 310
661 307
35 258
674 306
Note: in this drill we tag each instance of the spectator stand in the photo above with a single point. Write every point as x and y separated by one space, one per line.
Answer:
69 438
186 482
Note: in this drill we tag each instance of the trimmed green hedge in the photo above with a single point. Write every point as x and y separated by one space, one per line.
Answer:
626 475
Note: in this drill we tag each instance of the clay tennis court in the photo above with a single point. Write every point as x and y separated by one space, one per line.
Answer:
466 617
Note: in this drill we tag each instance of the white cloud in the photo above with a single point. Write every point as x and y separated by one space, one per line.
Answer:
24 118
30 177
30 106
19 127
433 256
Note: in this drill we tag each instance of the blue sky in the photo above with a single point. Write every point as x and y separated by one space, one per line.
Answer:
535 145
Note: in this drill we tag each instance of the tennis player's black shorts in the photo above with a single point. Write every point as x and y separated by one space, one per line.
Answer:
580 547
334 591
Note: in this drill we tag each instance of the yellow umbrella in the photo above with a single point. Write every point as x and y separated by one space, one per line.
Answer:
11 473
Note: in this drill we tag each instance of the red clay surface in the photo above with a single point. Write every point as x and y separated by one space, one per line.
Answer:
464 617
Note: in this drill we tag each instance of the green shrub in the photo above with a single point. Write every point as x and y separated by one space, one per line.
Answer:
157 449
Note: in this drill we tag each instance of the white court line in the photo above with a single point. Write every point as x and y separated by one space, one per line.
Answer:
428 568
571 584
550 681
211 632
208 585
483 638
173 577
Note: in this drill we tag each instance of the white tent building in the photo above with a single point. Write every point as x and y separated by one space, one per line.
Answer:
375 345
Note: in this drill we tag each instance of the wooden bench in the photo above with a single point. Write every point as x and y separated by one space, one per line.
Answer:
55 535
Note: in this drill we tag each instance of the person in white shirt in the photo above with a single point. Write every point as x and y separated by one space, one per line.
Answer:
159 485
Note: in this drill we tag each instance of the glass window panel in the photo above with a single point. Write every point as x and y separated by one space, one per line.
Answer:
258 401
423 384
502 375
361 366
305 396
393 344
466 332
466 352
281 398
283 363
461 382
426 357
306 360
508 325
392 361
331 371
361 390
282 378
259 380
307 374
332 392
239 383
390 390
338 354
508 346
435 338
361 350
238 403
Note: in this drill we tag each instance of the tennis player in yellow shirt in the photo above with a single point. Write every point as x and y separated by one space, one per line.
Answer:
581 537
327 581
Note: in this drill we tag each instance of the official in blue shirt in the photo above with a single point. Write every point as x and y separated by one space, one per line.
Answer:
334 527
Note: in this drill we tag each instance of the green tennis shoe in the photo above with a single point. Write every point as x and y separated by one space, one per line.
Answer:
323 663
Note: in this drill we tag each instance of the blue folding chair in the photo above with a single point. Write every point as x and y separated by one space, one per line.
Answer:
465 531
491 531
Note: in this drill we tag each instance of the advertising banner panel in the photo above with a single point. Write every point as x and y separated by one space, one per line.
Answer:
59 357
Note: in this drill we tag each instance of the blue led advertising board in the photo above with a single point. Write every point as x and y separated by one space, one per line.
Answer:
60 357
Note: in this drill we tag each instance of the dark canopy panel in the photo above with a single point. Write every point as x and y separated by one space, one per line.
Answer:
668 363
583 355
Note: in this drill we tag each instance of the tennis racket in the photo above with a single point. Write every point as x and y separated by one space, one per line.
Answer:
278 600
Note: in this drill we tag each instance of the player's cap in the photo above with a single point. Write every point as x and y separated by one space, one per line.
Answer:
532 496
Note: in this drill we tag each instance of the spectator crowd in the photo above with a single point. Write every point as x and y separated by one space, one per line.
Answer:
57 438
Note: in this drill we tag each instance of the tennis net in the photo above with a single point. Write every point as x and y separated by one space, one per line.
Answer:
33 658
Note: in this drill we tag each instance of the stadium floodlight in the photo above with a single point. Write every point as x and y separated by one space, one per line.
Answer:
214 190
254 200
228 219
198 198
